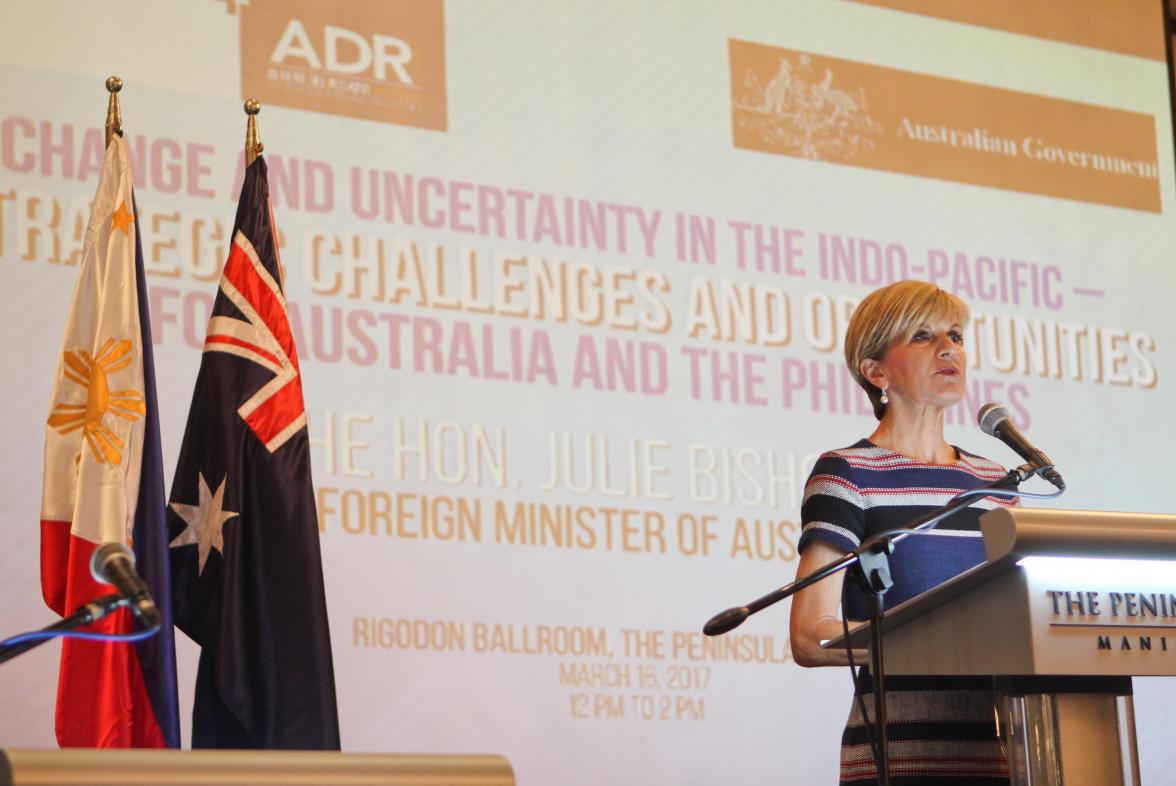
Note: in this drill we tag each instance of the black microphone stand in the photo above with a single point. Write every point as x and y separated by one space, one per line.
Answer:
86 614
874 568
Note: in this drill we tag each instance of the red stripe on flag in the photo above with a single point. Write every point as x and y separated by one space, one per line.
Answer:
279 411
240 272
102 700
54 558
222 339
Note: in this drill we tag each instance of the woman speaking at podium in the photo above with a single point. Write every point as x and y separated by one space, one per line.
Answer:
905 347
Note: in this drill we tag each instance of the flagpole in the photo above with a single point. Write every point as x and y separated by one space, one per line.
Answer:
253 146
113 110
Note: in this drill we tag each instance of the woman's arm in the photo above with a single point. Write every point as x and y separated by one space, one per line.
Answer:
815 611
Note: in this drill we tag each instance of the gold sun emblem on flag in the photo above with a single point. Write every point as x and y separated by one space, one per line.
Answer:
93 373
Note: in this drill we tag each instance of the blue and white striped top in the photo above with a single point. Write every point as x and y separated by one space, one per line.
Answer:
864 489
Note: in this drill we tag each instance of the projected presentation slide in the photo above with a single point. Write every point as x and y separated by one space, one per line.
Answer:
568 285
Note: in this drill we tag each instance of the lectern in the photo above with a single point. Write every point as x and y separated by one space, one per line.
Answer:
1067 606
91 767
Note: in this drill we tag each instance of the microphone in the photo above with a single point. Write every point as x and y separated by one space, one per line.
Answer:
995 421
726 620
114 563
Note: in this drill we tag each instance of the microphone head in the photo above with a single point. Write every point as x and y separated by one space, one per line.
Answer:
991 416
725 621
103 556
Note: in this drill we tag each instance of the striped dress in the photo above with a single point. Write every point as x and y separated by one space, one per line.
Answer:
942 729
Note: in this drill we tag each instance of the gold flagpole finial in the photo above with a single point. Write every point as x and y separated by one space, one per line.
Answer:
113 111
253 146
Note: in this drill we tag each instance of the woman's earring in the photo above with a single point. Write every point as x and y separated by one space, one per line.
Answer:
885 399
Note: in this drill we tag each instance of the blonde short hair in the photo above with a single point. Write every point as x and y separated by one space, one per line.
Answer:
890 312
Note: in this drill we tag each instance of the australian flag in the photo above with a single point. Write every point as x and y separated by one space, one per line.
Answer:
247 575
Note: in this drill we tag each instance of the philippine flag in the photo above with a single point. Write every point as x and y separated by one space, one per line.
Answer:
103 482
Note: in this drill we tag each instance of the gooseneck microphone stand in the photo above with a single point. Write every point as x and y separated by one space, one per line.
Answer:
874 568
86 614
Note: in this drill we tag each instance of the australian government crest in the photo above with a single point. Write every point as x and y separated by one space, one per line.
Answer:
789 103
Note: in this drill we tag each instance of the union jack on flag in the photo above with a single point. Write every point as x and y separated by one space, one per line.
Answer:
276 411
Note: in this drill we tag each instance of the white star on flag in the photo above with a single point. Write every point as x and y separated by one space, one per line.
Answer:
205 520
